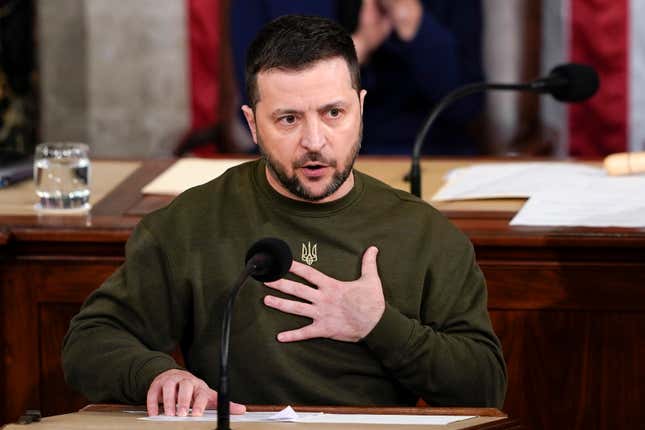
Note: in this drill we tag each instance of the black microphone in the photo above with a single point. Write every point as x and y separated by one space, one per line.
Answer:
566 83
267 260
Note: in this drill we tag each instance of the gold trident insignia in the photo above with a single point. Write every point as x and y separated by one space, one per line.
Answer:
309 253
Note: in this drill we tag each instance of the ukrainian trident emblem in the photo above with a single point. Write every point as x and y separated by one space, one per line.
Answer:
309 253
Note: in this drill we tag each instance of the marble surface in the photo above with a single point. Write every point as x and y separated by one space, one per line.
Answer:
115 77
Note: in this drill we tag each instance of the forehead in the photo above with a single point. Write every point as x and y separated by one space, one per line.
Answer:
321 82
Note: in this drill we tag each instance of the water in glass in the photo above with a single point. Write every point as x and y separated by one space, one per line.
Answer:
62 176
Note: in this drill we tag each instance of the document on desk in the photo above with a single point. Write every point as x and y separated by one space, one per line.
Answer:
186 173
596 202
512 180
289 415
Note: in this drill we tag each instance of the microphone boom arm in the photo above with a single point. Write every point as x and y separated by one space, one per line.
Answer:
415 171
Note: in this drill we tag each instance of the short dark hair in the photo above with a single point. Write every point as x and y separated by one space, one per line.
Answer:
296 42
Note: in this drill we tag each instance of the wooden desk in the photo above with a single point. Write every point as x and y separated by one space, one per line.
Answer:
109 417
567 303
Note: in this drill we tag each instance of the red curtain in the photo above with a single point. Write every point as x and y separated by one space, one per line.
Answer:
204 56
600 37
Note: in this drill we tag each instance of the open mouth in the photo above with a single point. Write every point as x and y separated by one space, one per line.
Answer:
314 167
314 171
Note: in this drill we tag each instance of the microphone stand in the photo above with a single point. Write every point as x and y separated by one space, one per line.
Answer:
461 92
267 260
223 407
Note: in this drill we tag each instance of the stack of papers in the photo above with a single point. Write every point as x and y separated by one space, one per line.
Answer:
512 180
559 194
598 202
289 415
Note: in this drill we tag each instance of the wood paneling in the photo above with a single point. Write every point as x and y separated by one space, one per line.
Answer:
573 369
55 394
20 354
565 285
40 295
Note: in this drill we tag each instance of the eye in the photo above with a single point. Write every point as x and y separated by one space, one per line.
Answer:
288 119
335 112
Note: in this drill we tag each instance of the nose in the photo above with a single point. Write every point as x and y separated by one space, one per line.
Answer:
313 135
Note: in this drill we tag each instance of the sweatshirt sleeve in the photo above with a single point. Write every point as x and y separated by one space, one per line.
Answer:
122 336
450 357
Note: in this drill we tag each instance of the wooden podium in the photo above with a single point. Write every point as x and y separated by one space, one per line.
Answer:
567 303
108 417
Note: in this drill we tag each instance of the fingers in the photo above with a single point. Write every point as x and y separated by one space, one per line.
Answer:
152 400
369 266
321 280
184 397
206 397
294 289
310 274
169 390
237 409
290 306
339 310
310 331
181 388
203 396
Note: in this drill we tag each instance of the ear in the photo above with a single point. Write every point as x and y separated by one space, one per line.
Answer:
361 98
250 120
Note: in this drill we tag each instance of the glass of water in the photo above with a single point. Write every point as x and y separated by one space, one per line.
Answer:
62 176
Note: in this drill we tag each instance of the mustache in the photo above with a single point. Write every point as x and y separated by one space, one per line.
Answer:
314 157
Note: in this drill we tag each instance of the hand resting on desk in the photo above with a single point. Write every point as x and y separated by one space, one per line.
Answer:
182 388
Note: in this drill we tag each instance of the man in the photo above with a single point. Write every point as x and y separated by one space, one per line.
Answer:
384 305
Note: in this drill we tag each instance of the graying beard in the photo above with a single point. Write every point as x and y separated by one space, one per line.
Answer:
295 187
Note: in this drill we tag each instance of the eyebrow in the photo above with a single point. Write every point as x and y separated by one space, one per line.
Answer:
335 104
279 112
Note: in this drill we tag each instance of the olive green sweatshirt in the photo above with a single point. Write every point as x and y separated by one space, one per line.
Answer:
434 340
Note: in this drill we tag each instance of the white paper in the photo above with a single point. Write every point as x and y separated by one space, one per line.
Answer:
512 180
289 415
384 419
186 173
598 202
211 415
285 415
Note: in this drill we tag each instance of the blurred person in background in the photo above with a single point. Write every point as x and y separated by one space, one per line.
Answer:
412 53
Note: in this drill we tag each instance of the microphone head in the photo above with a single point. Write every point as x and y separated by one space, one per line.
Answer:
580 82
271 259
